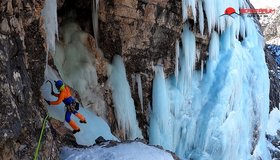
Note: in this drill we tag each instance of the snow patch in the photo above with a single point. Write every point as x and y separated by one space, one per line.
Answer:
125 151
273 122
16 76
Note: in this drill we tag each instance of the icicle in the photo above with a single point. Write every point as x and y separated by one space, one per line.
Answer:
49 13
201 17
184 10
236 26
197 54
213 11
188 40
214 46
160 125
210 11
226 39
192 3
220 21
185 5
95 6
201 69
149 110
249 26
133 82
242 28
124 105
177 60
139 85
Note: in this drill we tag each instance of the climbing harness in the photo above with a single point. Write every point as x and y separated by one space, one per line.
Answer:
40 139
73 106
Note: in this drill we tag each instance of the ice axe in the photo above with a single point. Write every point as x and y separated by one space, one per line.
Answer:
47 101
51 86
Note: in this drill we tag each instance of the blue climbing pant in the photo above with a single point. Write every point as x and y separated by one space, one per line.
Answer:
68 115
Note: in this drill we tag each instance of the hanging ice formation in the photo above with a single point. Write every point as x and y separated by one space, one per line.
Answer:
220 115
51 27
95 6
139 88
123 103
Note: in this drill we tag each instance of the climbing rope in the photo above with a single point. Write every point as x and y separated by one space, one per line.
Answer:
40 139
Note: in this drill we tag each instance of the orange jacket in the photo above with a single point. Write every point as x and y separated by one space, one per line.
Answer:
64 94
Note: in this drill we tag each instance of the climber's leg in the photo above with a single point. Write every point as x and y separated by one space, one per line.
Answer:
80 116
67 116
71 122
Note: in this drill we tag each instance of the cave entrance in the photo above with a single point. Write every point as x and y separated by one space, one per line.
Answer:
76 54
77 61
80 11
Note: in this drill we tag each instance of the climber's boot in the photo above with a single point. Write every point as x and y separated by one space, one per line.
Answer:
81 117
74 126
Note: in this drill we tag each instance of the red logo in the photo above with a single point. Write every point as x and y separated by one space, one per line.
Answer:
257 11
230 11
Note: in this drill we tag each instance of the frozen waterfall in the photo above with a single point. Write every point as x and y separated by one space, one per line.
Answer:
220 115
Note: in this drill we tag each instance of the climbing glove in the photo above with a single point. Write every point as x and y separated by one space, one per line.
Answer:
47 101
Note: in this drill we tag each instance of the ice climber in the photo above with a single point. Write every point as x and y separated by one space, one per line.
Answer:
71 105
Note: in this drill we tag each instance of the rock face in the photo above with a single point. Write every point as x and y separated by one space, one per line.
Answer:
22 57
271 27
274 95
144 34
275 145
271 31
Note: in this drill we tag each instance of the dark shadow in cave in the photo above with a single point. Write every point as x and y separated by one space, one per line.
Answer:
81 10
